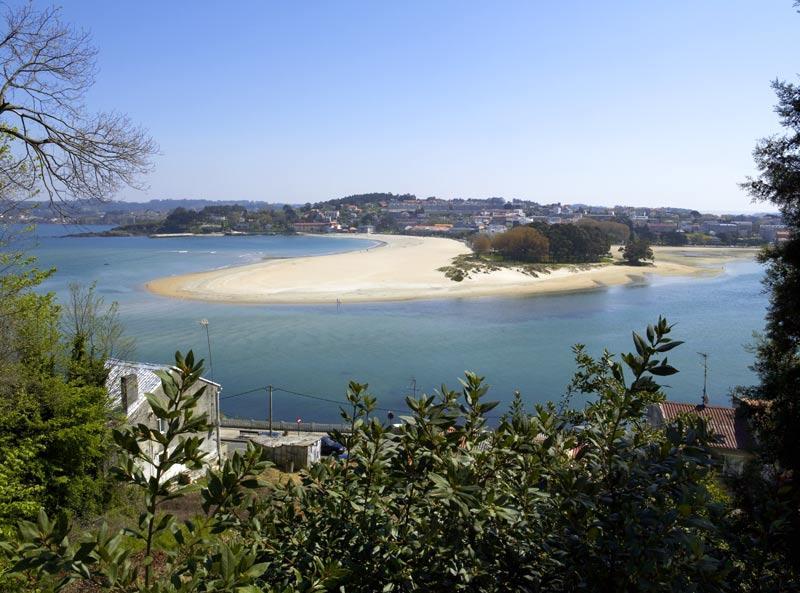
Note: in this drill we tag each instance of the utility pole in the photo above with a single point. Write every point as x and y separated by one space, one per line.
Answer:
204 323
414 386
705 377
269 388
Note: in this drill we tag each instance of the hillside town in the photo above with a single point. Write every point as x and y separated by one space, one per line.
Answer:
407 214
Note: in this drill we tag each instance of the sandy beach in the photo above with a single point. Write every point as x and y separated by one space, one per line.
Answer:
405 268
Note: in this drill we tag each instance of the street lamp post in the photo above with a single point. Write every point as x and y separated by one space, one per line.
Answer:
204 323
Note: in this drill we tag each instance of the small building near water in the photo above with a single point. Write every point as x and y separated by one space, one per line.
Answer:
128 382
291 452
730 425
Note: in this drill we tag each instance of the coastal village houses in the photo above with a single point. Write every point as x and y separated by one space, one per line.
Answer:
730 425
128 382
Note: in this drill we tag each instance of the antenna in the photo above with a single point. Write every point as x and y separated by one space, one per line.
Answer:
705 377
414 386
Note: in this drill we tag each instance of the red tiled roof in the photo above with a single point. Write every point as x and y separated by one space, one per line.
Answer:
732 431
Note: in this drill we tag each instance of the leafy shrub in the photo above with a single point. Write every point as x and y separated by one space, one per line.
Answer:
522 243
636 251
589 499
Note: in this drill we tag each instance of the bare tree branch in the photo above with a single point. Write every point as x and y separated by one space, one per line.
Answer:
54 145
88 320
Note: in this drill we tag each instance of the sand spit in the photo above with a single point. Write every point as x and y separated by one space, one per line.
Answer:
405 268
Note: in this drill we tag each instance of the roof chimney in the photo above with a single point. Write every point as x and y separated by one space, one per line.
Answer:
129 390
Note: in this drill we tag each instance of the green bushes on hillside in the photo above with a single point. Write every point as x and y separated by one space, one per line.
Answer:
551 500
54 415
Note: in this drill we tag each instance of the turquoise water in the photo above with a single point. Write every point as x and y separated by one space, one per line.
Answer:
521 343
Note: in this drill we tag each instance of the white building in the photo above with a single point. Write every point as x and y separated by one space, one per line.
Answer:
128 382
494 229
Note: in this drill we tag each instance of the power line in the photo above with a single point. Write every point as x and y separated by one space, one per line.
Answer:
298 394
242 393
320 398
314 397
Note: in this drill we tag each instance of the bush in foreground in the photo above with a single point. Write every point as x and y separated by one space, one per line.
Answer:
589 499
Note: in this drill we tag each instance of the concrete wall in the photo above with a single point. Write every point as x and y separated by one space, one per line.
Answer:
291 454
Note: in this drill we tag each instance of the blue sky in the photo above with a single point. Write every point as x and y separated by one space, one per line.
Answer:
634 102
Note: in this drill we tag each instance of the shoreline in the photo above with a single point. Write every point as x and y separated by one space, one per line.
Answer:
401 268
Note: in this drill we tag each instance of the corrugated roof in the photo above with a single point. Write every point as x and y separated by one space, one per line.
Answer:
732 430
145 374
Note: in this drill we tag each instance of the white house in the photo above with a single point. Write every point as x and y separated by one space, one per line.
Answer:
128 382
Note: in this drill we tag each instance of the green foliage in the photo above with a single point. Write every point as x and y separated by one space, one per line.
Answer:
155 459
522 244
637 251
215 219
53 427
674 238
778 365
454 273
582 499
468 265
18 496
481 243
617 232
201 553
576 243
777 416
364 200
94 333
66 425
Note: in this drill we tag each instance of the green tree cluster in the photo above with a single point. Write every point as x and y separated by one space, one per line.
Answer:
588 499
674 238
186 220
521 244
553 243
365 199
481 243
618 232
574 243
778 357
571 243
54 414
772 498
637 251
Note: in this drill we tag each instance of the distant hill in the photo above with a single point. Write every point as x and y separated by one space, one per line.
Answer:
165 206
361 199
195 204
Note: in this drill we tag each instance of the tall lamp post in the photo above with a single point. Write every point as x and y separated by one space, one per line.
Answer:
204 323
705 377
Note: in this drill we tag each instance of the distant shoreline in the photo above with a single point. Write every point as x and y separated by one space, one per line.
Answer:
407 268
122 233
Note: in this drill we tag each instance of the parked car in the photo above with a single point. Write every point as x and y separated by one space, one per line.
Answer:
332 447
